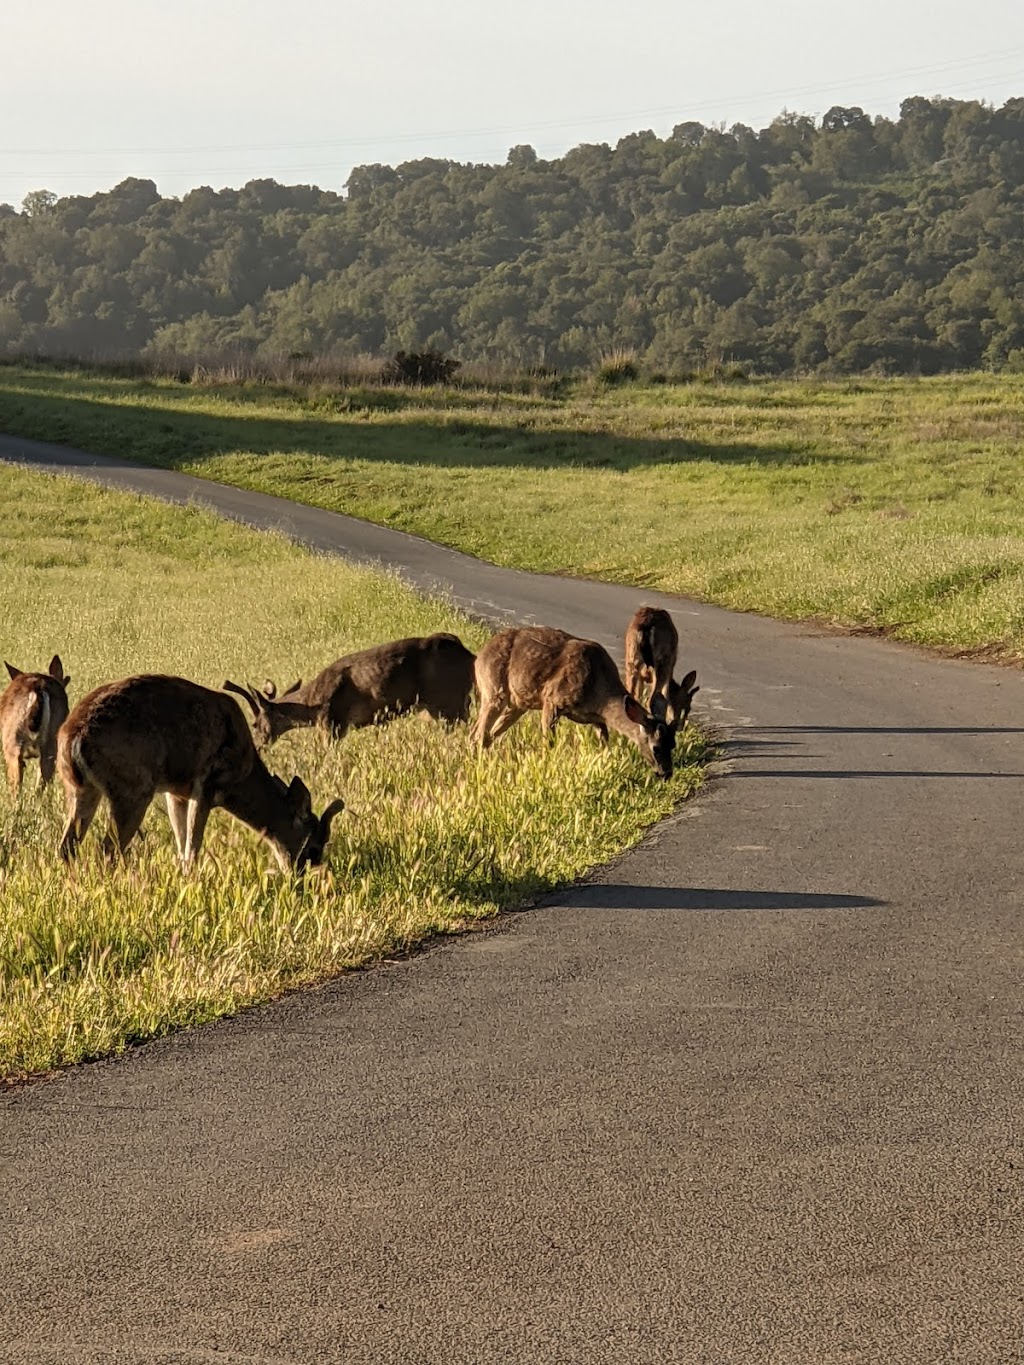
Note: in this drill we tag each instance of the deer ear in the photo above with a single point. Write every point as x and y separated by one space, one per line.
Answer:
335 808
298 793
634 711
689 680
56 668
294 687
269 689
14 672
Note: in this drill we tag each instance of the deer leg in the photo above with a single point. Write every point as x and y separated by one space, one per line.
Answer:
505 722
450 714
82 806
127 817
198 814
47 766
15 769
177 811
601 730
333 732
549 719
658 705
490 712
661 684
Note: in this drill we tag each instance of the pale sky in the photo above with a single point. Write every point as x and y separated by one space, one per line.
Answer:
210 92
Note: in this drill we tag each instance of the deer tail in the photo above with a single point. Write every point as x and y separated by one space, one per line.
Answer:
75 765
36 714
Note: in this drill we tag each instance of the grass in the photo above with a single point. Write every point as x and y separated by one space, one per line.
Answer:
436 837
890 504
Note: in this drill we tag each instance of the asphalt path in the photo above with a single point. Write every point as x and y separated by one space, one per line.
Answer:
753 1094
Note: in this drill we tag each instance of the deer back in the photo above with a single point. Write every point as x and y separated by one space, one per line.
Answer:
158 733
516 664
398 675
528 665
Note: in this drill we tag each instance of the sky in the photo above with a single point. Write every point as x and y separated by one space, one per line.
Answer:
218 92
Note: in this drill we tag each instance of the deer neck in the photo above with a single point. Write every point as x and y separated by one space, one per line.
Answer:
614 716
293 715
259 802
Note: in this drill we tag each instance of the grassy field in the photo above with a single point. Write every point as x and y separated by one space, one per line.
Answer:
892 504
436 835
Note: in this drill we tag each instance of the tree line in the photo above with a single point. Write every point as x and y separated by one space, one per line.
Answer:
843 245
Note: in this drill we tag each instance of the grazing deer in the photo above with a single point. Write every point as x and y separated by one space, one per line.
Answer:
537 668
32 710
652 643
128 740
433 673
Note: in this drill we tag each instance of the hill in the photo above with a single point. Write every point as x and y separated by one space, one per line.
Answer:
851 244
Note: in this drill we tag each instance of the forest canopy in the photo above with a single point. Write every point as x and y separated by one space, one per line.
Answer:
848 244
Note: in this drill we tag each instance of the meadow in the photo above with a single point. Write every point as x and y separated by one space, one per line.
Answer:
887 504
436 836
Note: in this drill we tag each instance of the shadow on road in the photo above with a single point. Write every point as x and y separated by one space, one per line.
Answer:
621 896
866 772
891 730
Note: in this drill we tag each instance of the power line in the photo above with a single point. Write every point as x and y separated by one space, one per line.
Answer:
283 169
744 99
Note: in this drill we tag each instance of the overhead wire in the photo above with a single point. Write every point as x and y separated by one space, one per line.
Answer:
745 98
863 85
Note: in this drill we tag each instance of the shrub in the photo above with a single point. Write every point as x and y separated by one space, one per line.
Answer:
618 367
420 367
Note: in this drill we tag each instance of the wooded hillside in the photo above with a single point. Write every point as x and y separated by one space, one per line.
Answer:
843 245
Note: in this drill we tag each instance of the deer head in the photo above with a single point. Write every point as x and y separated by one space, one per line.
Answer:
676 711
271 716
652 736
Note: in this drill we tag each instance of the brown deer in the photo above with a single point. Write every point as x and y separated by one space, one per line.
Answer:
32 709
151 733
537 668
433 673
652 643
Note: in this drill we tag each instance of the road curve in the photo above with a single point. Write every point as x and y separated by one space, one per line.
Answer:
752 1095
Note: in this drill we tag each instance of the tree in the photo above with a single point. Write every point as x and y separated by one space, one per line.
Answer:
521 158
39 203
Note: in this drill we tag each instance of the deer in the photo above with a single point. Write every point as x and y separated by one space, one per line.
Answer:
433 673
652 643
539 668
33 707
128 740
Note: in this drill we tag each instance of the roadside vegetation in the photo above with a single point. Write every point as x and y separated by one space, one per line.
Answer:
435 837
887 504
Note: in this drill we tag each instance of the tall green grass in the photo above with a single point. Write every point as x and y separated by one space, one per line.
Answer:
892 504
435 837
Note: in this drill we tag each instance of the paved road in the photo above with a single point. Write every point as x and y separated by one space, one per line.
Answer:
754 1095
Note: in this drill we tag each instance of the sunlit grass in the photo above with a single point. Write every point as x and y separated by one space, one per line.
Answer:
436 836
894 504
